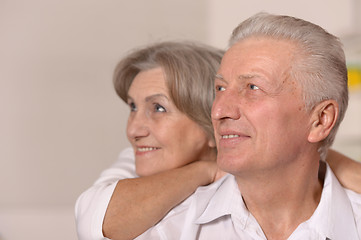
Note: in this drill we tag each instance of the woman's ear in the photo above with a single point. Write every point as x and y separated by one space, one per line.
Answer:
323 119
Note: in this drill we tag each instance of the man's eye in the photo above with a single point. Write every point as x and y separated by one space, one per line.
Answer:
220 88
159 108
253 87
132 107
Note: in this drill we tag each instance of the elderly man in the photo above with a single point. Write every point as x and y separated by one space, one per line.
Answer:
281 93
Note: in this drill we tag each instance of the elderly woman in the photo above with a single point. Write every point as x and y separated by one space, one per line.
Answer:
169 90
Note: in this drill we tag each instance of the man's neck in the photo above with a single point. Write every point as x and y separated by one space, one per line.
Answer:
280 200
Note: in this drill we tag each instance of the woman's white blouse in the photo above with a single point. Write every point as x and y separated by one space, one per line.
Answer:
92 204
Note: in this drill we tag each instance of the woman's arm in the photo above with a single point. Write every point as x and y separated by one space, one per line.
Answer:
126 197
138 204
347 171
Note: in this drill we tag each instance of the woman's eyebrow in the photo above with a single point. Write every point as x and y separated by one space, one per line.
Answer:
129 98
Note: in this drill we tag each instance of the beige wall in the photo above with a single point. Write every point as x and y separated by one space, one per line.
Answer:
61 122
333 15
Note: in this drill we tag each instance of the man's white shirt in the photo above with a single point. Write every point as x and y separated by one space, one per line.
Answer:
217 211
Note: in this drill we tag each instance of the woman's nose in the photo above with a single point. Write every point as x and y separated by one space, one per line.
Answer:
137 126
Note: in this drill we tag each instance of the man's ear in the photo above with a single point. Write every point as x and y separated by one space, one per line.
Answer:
323 118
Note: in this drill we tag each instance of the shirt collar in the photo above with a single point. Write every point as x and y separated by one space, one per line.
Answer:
332 218
225 200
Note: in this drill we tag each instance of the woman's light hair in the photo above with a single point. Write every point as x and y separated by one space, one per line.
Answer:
319 66
190 70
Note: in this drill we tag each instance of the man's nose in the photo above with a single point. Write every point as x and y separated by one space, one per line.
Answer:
226 105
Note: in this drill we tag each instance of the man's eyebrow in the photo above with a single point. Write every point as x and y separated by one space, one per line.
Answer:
152 97
219 76
240 77
249 76
244 77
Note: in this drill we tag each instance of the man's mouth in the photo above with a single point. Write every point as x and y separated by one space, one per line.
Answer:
229 136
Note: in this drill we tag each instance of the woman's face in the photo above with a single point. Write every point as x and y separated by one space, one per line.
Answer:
162 137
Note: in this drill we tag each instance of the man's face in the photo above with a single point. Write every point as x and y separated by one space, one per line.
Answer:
258 114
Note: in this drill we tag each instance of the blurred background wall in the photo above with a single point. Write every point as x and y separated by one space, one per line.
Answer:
61 122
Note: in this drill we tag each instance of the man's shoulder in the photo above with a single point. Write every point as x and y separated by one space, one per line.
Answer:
353 196
355 199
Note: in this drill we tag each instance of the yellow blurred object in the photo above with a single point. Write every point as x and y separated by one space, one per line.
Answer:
354 77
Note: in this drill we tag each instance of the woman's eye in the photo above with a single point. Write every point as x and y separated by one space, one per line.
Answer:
220 88
132 107
159 108
253 87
